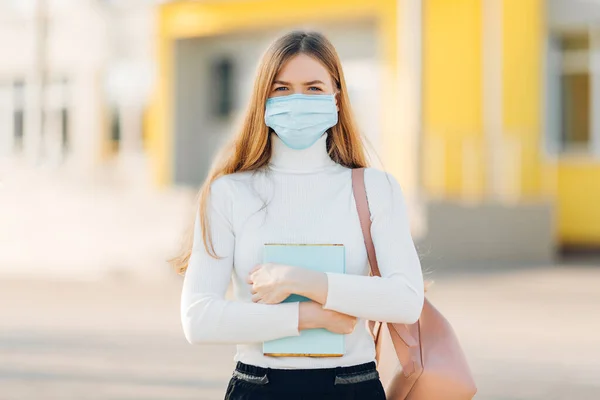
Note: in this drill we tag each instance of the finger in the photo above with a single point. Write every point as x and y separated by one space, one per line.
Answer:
253 291
256 298
256 268
428 284
249 279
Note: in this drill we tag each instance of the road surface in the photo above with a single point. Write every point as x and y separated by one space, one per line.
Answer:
530 333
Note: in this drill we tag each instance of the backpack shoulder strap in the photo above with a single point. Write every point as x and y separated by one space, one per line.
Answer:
364 215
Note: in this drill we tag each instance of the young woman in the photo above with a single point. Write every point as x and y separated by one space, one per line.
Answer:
287 179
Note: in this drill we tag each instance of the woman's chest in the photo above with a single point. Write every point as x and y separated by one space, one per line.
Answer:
313 213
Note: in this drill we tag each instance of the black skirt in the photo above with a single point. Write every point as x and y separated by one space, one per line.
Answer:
349 383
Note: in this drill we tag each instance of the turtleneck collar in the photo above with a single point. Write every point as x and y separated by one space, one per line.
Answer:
312 159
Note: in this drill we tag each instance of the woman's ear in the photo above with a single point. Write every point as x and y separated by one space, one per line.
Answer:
335 96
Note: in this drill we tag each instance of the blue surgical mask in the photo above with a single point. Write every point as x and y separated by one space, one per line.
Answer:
299 119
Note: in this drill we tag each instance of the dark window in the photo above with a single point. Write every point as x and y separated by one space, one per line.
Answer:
574 41
18 114
115 129
575 109
62 87
222 94
574 86
64 128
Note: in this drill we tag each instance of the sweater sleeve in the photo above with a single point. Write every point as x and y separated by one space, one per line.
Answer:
206 316
398 295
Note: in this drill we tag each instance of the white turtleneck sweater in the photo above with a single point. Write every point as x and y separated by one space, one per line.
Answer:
308 199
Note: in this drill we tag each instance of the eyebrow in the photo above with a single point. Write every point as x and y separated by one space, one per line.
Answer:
305 83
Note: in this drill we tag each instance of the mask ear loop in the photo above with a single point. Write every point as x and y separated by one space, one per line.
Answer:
336 99
337 105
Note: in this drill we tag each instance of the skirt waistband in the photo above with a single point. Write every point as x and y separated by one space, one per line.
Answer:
306 380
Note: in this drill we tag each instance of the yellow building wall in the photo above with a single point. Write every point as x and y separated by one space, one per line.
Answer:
522 46
185 19
575 181
453 115
452 95
579 202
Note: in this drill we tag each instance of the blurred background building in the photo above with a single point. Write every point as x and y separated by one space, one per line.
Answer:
483 109
75 79
75 85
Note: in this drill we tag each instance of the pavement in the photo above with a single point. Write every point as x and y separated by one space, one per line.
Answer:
529 333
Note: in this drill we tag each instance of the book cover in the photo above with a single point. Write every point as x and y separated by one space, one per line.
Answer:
318 257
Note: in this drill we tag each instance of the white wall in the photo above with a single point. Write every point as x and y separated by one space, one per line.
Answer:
569 13
104 52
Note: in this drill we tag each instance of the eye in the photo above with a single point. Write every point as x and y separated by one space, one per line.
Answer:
280 89
314 89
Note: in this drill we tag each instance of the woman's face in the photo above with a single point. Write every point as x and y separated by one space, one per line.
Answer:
302 74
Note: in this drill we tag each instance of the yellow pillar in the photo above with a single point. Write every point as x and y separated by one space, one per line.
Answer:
522 55
159 118
452 98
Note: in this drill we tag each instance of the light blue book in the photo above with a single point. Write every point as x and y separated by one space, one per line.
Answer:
318 257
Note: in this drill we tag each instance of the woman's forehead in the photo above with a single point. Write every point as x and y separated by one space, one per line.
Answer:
303 68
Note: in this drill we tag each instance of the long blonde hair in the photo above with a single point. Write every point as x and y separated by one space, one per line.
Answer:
250 148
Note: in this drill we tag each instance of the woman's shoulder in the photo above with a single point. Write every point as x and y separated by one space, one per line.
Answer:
231 183
382 188
225 182
380 180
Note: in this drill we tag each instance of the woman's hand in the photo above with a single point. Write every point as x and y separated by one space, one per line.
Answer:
312 315
271 283
338 323
427 284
